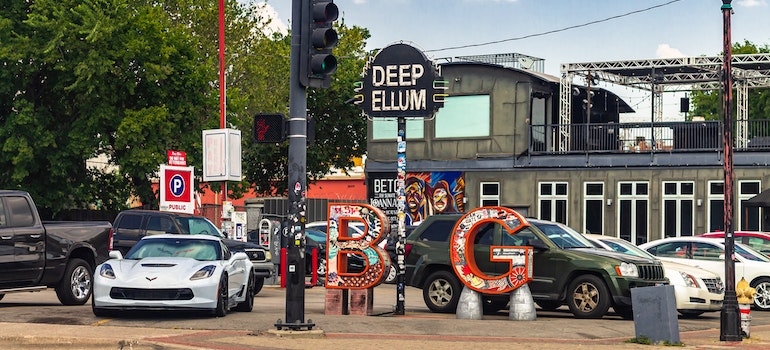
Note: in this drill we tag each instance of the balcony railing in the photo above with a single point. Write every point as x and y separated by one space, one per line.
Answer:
648 137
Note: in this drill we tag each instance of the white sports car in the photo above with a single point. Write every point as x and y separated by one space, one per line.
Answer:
175 272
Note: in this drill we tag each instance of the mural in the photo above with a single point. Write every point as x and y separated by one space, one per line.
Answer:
426 193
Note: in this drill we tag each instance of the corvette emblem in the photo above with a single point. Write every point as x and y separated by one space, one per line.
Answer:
151 278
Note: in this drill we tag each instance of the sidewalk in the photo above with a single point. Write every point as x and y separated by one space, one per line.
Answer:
382 330
22 336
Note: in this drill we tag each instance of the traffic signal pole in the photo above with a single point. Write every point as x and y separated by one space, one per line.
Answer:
295 261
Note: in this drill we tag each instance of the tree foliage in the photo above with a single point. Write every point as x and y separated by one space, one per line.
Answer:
128 80
709 103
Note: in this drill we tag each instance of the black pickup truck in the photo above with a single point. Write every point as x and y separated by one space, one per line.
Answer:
35 255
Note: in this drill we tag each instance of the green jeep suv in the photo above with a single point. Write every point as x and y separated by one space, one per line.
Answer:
566 269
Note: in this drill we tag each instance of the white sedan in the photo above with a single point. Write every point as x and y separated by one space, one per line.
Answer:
709 254
175 272
696 290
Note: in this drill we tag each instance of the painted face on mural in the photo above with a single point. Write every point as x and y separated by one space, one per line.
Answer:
440 199
415 197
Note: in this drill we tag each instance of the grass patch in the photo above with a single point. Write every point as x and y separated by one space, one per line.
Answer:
646 341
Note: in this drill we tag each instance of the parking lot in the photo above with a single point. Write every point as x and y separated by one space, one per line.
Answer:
270 305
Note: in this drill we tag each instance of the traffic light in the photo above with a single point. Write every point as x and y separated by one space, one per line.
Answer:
318 37
269 128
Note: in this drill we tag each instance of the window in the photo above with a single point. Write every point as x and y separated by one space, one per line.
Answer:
3 222
463 116
750 217
161 224
716 206
387 128
130 222
678 210
552 201
439 231
593 207
633 211
489 194
21 213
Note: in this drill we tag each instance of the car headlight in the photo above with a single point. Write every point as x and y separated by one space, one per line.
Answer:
204 272
689 280
627 270
268 256
107 272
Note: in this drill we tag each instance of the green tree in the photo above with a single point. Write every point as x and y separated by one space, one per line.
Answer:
340 129
91 77
709 103
128 80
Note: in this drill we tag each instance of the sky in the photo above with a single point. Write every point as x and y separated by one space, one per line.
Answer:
558 31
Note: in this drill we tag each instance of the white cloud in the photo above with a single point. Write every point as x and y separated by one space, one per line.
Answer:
666 51
752 3
359 2
269 14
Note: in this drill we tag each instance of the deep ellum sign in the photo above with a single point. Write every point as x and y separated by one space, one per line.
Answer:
400 81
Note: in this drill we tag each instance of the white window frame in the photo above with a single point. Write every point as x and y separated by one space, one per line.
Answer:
633 198
679 198
713 199
744 197
596 197
489 197
553 198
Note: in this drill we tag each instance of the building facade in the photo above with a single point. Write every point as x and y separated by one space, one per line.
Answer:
503 129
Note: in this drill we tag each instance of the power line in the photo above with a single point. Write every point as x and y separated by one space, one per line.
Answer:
556 30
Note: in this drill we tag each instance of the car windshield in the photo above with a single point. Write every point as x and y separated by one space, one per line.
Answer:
198 249
316 235
563 236
626 247
198 226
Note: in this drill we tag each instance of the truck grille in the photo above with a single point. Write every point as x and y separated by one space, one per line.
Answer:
151 294
256 255
714 285
651 272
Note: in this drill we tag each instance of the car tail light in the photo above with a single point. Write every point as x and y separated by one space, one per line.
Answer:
407 249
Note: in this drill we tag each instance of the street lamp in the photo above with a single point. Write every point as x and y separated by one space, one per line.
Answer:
730 315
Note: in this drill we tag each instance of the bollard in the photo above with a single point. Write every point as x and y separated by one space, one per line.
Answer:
745 320
522 307
469 307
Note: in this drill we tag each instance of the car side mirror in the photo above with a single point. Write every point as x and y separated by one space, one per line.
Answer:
537 244
240 256
116 254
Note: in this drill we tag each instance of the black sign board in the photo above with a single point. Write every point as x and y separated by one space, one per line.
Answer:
400 81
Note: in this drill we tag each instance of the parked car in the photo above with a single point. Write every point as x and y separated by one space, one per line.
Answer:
132 225
317 239
175 272
567 269
355 229
35 255
696 290
709 254
760 241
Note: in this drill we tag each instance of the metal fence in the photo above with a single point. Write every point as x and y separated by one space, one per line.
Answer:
648 137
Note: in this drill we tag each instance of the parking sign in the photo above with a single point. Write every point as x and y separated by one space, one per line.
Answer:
176 192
